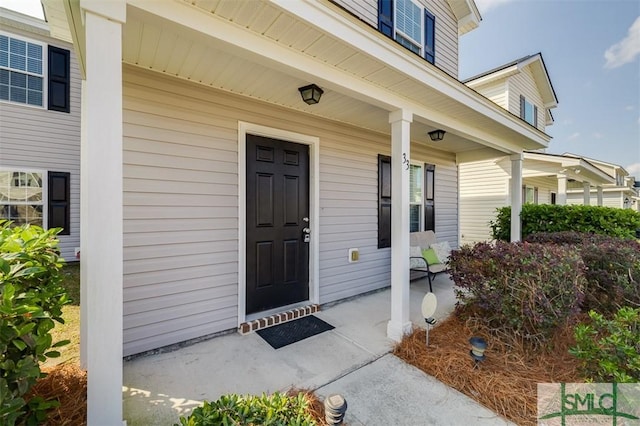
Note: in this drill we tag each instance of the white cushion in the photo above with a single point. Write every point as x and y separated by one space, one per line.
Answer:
415 251
443 250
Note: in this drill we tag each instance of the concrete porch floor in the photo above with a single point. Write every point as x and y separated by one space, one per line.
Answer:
353 359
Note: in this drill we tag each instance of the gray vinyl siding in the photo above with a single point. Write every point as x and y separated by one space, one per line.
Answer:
38 139
524 84
484 186
181 206
446 42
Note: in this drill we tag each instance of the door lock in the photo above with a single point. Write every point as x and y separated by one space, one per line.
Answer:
306 237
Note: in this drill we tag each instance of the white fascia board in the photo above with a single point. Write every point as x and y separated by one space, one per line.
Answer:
251 45
493 77
25 22
542 79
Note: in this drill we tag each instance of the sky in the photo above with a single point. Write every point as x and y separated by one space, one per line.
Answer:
592 52
591 49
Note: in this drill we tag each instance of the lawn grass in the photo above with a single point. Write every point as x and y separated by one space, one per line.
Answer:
70 330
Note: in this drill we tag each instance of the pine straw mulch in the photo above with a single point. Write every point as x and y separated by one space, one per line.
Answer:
66 383
506 382
316 405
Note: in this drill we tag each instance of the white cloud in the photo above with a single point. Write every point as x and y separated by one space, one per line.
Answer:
626 50
485 5
633 169
567 121
629 108
598 135
574 136
28 7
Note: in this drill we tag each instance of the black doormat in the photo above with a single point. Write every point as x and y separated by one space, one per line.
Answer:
293 331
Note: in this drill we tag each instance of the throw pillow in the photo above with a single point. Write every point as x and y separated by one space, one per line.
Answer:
430 256
443 250
415 251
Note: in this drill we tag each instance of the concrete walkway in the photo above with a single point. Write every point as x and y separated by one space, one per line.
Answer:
353 359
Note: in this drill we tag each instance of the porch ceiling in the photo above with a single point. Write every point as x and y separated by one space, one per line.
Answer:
266 49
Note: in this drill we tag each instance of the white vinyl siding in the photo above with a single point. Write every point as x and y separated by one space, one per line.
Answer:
609 198
484 187
39 139
545 187
181 206
524 84
446 37
496 92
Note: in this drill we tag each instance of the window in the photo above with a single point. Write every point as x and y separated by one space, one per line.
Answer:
554 198
28 77
421 198
31 196
21 71
529 195
410 24
528 111
21 197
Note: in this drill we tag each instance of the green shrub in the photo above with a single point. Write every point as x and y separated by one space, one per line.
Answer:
610 348
275 410
613 268
30 301
555 218
521 288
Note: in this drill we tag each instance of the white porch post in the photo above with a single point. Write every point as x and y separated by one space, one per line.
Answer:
600 196
516 196
101 215
400 155
587 192
562 190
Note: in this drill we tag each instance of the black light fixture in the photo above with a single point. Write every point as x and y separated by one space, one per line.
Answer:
311 94
437 135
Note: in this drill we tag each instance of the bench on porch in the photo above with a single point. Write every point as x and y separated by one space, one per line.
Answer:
437 264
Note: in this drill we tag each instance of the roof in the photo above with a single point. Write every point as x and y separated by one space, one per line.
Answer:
600 162
467 14
538 68
573 166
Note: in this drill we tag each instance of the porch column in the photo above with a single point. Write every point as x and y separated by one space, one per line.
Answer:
600 196
562 190
516 196
587 193
400 144
101 213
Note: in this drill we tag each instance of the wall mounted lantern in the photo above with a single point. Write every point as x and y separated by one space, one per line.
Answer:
437 135
311 94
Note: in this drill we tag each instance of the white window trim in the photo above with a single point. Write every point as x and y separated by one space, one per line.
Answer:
396 31
45 71
45 189
533 111
422 195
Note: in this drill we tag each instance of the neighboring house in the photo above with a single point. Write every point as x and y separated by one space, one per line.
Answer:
215 195
39 129
620 193
485 186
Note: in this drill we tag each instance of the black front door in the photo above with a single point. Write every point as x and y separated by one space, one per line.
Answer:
277 222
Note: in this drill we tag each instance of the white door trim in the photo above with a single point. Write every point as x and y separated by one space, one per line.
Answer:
245 128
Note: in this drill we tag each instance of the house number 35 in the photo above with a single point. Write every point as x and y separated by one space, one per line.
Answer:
405 161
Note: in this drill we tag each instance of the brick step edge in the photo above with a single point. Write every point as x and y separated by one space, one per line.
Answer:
279 318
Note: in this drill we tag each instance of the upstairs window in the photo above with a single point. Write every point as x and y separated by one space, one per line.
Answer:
21 71
410 24
32 73
528 111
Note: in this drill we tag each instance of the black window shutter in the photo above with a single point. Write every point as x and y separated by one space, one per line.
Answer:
429 197
535 116
385 17
59 201
59 79
384 201
522 107
429 37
